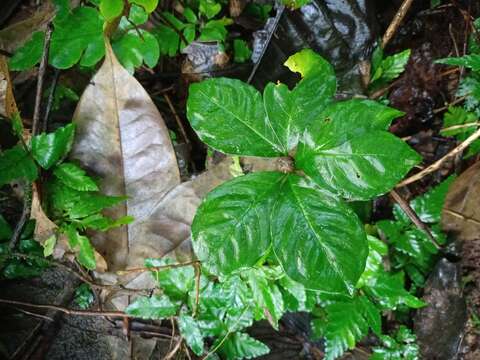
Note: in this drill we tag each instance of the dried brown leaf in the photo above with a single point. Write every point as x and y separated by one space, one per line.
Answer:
122 139
8 106
461 212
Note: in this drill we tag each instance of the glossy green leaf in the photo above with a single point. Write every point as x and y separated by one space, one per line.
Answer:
241 51
49 149
79 204
455 116
77 36
402 346
137 15
190 331
318 239
349 153
16 163
156 307
102 223
377 249
49 245
176 282
215 30
29 54
315 90
294 295
429 205
231 229
266 295
111 9
390 68
85 251
209 8
148 5
75 177
190 15
470 61
135 48
242 346
228 115
168 40
348 322
390 292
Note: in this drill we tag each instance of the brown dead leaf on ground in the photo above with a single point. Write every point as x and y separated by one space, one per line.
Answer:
8 107
461 212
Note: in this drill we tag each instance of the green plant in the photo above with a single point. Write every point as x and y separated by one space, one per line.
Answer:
84 297
402 346
461 122
73 197
295 217
410 248
385 69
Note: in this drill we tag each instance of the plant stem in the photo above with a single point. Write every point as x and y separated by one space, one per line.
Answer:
397 20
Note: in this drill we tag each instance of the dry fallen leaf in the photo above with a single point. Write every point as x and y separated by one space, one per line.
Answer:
122 139
461 212
8 107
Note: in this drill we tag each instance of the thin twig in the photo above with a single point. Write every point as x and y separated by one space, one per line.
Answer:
27 199
397 20
454 102
412 215
40 79
437 164
177 119
51 98
66 310
172 353
157 268
463 126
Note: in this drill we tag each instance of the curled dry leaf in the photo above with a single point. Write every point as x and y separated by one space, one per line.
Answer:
44 227
461 213
8 107
122 139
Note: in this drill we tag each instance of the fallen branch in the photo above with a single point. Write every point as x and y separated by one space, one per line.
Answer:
437 164
397 20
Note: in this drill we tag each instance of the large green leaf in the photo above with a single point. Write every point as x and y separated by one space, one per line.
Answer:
241 346
16 163
155 307
29 54
110 9
349 152
49 149
377 249
317 238
315 90
228 115
231 229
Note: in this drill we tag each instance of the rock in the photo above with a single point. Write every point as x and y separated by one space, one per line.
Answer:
440 325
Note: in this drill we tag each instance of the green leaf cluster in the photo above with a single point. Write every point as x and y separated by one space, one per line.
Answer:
26 260
73 197
402 346
385 69
411 249
297 218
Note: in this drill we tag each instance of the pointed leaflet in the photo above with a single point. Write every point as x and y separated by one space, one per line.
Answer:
349 152
16 163
49 149
228 115
231 228
317 238
121 138
154 307
242 346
